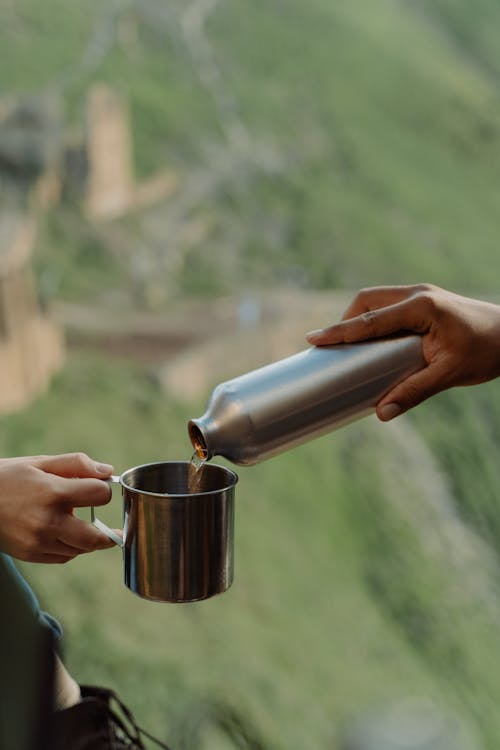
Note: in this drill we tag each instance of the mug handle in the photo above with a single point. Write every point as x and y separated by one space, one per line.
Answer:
118 540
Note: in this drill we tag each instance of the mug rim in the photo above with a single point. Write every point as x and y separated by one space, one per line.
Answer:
228 486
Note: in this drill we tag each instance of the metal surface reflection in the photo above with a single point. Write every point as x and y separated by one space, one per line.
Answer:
178 544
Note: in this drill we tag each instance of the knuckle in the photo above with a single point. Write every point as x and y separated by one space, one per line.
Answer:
363 294
428 299
37 536
56 492
105 492
44 527
98 492
425 287
369 319
81 459
91 542
412 395
96 543
41 457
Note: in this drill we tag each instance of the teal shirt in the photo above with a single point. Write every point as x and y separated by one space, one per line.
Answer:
31 598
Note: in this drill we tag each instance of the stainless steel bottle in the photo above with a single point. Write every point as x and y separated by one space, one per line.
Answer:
267 411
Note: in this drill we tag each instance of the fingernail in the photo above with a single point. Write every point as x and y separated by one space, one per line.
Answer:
389 411
104 469
314 336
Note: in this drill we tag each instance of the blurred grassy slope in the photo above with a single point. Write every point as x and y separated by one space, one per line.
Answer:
337 604
403 185
384 124
386 119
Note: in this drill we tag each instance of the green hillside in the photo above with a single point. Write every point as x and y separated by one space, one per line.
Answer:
343 145
320 145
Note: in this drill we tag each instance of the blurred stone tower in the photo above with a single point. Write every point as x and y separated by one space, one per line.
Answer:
109 154
31 345
111 190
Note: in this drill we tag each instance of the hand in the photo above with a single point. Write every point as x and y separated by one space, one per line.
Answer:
460 336
37 497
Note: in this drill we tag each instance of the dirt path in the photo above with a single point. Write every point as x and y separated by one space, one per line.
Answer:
215 336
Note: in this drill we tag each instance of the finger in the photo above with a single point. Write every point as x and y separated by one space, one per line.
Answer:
376 297
73 465
37 551
58 546
408 315
367 301
82 493
82 536
44 557
47 557
413 391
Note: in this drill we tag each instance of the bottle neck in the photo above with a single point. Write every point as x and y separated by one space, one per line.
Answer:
198 437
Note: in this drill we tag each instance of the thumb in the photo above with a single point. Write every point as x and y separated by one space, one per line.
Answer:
410 392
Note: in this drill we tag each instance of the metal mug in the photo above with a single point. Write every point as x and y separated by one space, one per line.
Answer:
178 531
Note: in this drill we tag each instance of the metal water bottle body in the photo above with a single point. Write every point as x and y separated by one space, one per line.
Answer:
269 410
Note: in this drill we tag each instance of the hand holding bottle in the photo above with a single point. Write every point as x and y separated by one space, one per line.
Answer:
460 336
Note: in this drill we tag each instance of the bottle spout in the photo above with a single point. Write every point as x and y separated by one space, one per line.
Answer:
198 440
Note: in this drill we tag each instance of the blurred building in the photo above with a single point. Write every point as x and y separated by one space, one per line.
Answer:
31 344
109 153
41 163
93 161
30 138
110 188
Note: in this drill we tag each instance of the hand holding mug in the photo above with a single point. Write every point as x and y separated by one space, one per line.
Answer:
37 498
